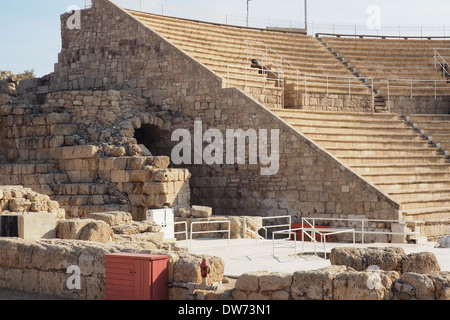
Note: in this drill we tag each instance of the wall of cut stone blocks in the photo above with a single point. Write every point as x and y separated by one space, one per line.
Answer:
76 139
112 50
41 266
417 104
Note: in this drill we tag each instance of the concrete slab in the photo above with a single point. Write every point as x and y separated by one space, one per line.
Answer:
245 255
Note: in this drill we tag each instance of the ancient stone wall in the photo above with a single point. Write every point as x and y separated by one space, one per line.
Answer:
382 278
42 266
337 102
404 105
112 50
78 147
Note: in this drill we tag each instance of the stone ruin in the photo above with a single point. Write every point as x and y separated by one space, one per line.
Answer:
85 152
355 274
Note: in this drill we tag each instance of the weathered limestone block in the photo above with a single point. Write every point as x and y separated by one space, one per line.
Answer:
136 227
78 152
441 282
421 262
19 205
152 237
413 286
315 284
201 212
4 99
388 258
84 229
98 231
187 269
113 218
354 285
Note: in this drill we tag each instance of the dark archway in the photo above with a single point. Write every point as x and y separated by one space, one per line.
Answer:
156 140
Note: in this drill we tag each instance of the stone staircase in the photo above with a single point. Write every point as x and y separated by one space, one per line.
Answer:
33 140
383 149
225 50
435 127
41 154
383 59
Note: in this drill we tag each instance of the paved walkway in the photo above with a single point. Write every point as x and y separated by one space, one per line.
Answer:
244 255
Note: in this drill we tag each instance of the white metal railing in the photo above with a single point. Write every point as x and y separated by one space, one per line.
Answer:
257 226
216 15
248 74
324 233
183 232
87 4
443 64
270 57
412 85
345 82
265 228
365 223
192 232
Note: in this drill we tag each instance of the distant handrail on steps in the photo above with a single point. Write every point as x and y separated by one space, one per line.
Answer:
443 64
280 62
311 221
362 36
412 84
264 76
347 84
260 226
277 61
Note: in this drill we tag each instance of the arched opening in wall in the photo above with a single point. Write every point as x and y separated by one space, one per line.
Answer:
156 140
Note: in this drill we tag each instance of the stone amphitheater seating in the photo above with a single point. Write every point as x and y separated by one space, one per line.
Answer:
384 59
385 150
380 147
436 127
217 46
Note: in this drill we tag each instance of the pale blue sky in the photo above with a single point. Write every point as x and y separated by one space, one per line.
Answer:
30 36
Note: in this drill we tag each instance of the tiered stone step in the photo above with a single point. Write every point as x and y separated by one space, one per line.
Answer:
436 126
383 59
384 150
219 46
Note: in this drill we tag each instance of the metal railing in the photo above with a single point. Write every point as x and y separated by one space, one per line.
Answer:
228 230
365 223
443 64
265 228
347 82
248 74
412 85
183 232
324 233
363 36
270 57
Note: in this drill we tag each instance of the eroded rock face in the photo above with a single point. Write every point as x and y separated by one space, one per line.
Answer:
187 268
354 285
17 199
387 259
315 284
421 262
41 265
84 229
413 286
113 218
